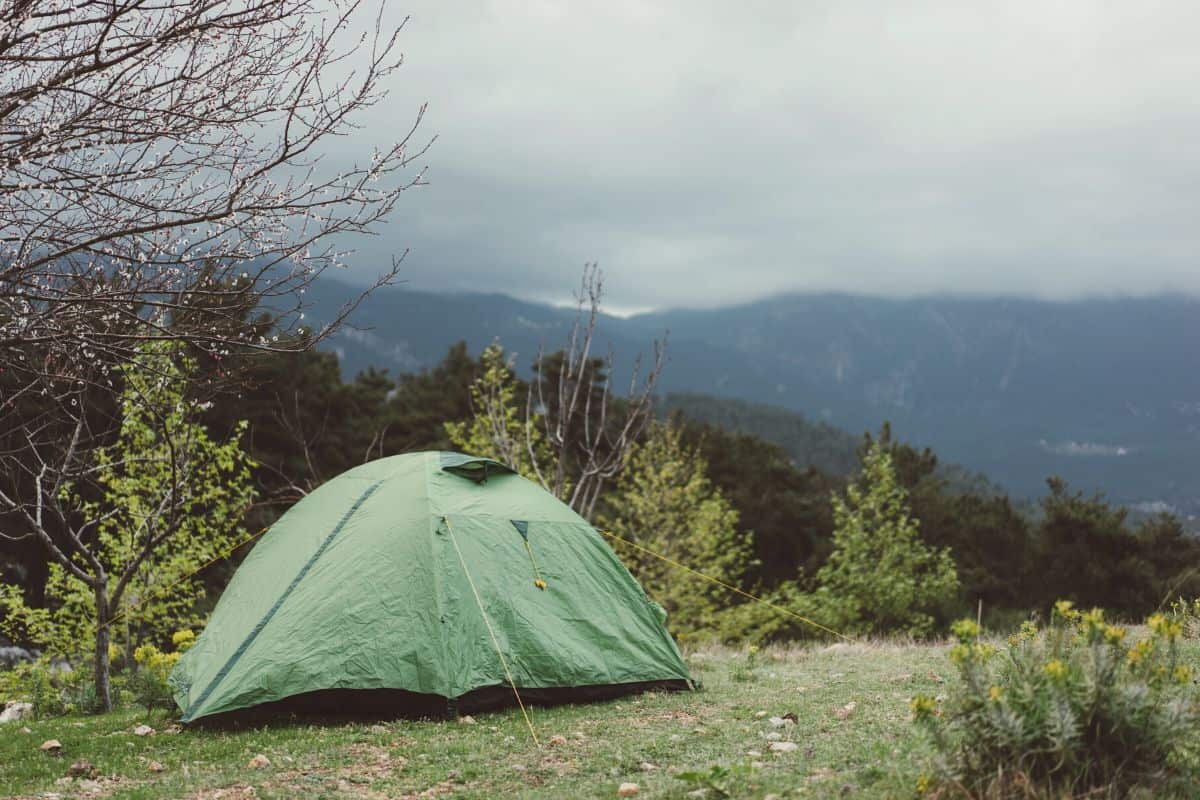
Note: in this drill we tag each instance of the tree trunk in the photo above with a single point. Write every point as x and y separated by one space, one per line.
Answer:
103 691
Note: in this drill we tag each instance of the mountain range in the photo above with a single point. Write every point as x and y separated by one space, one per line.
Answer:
1103 392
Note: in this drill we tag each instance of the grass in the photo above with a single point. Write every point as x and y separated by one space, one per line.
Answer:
868 749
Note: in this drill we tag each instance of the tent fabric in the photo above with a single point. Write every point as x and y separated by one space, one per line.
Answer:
366 584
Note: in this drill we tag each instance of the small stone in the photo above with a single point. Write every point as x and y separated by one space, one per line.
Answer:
259 762
27 729
579 735
783 747
646 766
772 797
14 711
143 730
557 741
82 769
781 722
846 710
466 719
51 745
628 789
760 714
154 766
377 729
754 753
757 764
773 736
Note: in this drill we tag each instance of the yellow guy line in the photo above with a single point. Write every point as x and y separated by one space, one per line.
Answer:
492 633
730 587
125 611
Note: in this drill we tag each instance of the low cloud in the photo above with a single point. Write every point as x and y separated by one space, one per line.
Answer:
706 153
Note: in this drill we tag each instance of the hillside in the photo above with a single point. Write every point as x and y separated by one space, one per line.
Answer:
1105 393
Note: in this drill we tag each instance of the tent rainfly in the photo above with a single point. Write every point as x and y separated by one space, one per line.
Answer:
409 585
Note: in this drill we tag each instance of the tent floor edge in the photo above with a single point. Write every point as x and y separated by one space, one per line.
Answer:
357 705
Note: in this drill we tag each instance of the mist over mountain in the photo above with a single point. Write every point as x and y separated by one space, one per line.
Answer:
1104 392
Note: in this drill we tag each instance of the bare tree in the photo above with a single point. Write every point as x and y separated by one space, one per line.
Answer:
160 169
589 431
162 177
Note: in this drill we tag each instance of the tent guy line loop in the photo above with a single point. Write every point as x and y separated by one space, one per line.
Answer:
492 633
725 585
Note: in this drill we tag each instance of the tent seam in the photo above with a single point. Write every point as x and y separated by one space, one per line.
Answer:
245 645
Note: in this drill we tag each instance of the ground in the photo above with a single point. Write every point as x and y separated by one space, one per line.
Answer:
853 738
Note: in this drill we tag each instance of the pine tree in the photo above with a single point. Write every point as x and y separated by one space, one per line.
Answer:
881 576
665 502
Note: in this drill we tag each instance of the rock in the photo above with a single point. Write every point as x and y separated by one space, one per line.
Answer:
557 741
51 745
760 714
14 711
143 730
773 736
646 766
82 769
781 722
628 790
846 710
466 719
783 747
10 656
757 764
753 753
154 766
772 797
259 762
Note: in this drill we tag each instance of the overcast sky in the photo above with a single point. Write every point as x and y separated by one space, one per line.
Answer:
706 153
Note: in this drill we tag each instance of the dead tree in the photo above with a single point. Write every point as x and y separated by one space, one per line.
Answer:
589 431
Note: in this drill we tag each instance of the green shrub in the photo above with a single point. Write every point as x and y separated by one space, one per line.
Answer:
745 670
149 682
1187 616
33 683
1075 710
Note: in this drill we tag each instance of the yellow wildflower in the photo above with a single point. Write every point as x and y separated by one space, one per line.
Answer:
923 706
923 784
995 693
183 640
1182 674
1066 609
966 630
1056 669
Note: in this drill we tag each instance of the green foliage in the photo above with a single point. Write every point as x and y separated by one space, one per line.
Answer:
718 781
1075 710
881 577
149 683
498 428
1186 615
170 500
32 682
745 669
664 501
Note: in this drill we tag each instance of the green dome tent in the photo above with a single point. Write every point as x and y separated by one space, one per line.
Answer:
398 586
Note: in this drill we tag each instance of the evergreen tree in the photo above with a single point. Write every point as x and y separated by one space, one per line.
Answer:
881 576
664 501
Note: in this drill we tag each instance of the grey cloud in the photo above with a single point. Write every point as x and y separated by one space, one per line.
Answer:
706 152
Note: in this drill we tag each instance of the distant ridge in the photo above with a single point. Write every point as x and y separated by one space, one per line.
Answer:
1105 392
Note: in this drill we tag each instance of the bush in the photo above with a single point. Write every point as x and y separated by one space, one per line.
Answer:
149 682
1187 616
1071 711
32 683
